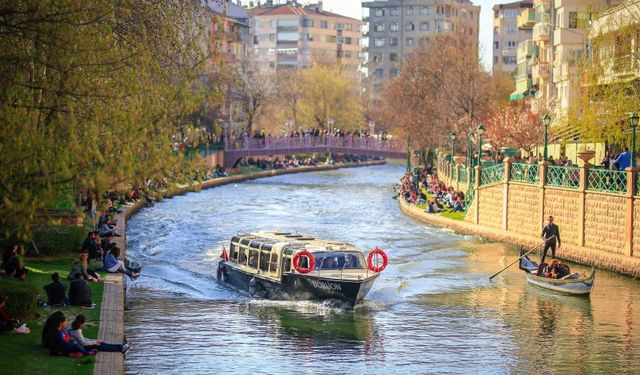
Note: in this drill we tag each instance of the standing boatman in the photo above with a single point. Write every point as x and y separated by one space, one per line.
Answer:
550 233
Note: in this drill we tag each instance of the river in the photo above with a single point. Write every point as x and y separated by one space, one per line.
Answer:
433 310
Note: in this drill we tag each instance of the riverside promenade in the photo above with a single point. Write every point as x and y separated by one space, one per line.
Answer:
114 297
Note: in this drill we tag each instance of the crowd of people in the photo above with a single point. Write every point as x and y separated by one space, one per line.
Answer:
424 188
99 254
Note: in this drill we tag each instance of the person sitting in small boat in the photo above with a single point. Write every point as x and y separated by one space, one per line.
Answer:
561 270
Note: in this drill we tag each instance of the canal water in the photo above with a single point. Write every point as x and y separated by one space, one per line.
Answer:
433 310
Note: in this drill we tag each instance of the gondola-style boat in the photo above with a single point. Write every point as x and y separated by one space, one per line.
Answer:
573 283
282 265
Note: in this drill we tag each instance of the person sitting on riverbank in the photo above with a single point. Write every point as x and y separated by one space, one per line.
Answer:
114 265
91 245
12 262
8 324
458 206
80 266
79 292
97 344
107 226
56 292
58 340
434 207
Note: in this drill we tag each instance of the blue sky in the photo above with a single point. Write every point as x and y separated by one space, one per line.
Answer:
353 8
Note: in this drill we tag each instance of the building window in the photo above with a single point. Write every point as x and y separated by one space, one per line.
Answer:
348 26
348 40
409 42
347 54
496 45
378 73
578 20
439 26
339 26
393 57
393 26
324 25
424 26
410 27
378 27
331 39
395 11
378 42
272 37
379 12
394 73
377 57
425 11
393 41
307 23
411 11
511 29
509 60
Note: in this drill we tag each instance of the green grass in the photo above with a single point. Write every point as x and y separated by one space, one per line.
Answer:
448 214
249 169
24 354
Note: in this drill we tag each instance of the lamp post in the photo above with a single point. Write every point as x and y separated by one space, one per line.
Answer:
575 144
546 119
633 119
480 133
452 135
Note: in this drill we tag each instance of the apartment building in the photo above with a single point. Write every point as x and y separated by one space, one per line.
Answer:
230 30
542 64
507 34
396 27
526 54
294 36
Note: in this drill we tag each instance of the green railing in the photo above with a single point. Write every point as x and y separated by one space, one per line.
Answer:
492 174
637 183
568 177
469 197
463 175
527 173
607 180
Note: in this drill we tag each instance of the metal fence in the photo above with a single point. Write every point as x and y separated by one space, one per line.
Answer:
493 174
607 180
568 177
527 173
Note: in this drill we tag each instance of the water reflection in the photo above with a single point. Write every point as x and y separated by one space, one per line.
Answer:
433 310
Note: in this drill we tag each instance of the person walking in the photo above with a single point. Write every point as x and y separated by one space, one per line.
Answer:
550 233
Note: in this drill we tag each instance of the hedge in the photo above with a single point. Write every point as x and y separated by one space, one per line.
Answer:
55 240
21 297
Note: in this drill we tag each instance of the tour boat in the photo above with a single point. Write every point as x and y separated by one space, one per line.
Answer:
288 266
571 284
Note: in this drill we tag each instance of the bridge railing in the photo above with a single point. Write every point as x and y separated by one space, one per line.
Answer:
284 143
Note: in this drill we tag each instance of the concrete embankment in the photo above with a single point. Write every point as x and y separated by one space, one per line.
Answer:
113 301
581 255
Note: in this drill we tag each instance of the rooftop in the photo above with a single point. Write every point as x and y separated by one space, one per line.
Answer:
295 9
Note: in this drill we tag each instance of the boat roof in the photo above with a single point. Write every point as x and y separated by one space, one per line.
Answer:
290 239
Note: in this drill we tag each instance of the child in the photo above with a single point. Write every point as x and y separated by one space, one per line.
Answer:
56 292
60 342
88 344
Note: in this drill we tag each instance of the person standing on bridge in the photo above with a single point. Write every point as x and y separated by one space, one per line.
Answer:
550 233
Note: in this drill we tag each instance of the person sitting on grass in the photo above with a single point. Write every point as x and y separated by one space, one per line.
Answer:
79 292
56 292
8 324
91 245
458 205
81 266
97 344
113 265
12 263
433 207
58 339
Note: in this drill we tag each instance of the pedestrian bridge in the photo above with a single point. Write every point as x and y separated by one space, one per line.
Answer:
236 149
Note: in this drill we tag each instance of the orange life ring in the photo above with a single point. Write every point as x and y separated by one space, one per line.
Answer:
311 264
385 260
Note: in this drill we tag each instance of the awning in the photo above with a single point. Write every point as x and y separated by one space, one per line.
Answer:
516 96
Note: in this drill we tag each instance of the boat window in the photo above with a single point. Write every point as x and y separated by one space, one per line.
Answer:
286 261
233 252
273 265
245 241
253 258
267 246
235 239
242 257
339 260
264 260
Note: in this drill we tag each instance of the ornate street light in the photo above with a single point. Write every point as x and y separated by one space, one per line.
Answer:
633 119
470 148
452 135
546 120
480 133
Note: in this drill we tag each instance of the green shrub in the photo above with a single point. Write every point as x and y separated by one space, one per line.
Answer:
54 240
21 297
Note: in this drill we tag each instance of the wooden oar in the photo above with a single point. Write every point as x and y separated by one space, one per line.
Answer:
521 256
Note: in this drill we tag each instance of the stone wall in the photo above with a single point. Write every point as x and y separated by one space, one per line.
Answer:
490 206
562 204
523 209
604 222
636 228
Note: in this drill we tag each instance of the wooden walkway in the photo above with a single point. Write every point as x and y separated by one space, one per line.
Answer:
112 307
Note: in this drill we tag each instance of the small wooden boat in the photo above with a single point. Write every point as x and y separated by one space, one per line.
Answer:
573 283
278 265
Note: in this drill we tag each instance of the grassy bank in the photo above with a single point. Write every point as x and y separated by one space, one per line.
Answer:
458 215
24 354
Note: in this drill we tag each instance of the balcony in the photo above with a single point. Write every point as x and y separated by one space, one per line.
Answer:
526 49
526 19
541 69
541 32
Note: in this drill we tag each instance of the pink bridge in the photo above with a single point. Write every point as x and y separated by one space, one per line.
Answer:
235 149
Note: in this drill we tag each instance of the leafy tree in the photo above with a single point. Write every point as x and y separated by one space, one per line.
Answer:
513 125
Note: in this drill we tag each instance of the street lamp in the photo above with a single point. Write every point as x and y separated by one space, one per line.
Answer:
452 135
470 148
633 118
546 119
480 133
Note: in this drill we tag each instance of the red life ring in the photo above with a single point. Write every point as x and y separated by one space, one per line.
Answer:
385 260
311 264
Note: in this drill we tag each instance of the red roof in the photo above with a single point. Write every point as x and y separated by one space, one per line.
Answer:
290 9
